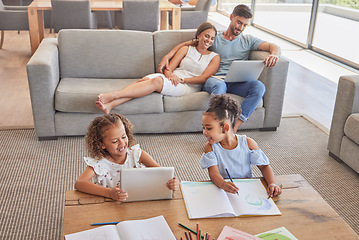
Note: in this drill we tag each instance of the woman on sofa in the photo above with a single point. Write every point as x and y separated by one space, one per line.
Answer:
195 65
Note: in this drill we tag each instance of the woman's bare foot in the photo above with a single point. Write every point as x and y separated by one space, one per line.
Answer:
106 97
103 107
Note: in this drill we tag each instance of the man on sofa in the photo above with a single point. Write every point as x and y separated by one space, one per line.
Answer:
233 45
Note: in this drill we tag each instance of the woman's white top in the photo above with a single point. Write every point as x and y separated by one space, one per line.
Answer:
192 65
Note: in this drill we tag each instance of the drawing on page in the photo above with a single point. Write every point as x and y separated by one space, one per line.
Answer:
195 191
258 202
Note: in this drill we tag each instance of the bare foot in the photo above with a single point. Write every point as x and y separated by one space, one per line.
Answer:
106 97
102 106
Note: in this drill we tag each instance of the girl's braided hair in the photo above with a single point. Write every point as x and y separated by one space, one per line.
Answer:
97 128
225 108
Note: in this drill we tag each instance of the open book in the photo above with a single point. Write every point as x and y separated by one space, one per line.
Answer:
206 200
152 228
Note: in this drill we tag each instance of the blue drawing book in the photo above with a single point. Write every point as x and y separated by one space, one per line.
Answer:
206 200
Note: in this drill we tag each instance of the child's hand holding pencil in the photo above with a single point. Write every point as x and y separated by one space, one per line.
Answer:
274 190
230 187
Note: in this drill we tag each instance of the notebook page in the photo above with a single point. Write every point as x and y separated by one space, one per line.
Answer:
205 200
252 199
152 228
105 232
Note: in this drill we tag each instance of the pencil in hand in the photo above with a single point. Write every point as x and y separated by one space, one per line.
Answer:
230 178
280 186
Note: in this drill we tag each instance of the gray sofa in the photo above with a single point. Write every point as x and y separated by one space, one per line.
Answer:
66 75
343 144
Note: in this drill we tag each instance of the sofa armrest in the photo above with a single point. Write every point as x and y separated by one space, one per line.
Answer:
16 8
187 8
346 103
274 79
43 76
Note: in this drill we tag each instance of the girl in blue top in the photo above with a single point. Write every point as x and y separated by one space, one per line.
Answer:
226 150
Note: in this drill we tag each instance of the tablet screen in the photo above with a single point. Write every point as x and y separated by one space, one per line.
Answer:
142 184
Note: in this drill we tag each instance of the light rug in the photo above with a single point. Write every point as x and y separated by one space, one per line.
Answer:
35 175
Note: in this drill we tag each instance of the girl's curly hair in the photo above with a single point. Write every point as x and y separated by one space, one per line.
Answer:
99 126
224 108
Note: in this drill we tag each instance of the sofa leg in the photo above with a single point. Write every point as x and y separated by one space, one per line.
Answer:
2 38
268 129
48 138
336 158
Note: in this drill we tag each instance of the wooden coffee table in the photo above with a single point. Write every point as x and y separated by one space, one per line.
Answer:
304 213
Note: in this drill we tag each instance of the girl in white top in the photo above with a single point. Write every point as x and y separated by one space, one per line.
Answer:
196 65
110 141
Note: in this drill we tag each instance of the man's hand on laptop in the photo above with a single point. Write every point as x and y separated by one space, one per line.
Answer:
271 60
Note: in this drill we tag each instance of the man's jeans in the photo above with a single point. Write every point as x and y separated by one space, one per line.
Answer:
252 91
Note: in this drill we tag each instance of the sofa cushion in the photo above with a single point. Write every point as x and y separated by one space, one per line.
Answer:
164 41
351 127
79 95
105 53
189 102
194 102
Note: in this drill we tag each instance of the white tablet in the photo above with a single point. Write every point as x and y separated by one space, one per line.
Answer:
142 184
243 71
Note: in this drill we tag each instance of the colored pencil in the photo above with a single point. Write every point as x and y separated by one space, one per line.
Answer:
193 231
104 223
185 233
230 178
190 235
187 228
198 232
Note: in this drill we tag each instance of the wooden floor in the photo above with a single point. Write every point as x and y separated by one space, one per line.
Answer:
14 90
306 92
310 94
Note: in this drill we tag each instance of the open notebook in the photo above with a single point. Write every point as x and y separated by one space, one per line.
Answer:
206 200
152 228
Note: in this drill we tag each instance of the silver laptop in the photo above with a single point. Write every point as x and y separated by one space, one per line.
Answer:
244 70
142 184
